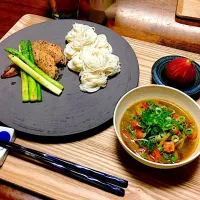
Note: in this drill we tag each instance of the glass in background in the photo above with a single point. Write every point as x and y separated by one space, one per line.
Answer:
64 9
98 11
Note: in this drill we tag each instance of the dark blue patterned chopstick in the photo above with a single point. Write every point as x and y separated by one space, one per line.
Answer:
82 169
63 166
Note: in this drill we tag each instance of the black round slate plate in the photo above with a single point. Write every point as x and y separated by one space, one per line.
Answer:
159 77
73 112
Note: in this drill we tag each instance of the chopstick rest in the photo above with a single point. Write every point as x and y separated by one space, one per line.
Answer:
8 135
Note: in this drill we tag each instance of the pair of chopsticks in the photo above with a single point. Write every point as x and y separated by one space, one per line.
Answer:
98 179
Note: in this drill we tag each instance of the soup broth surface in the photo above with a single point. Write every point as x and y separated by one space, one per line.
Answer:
159 131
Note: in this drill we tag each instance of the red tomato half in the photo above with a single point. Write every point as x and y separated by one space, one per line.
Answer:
181 70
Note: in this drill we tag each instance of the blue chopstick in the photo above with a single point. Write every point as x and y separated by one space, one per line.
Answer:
99 179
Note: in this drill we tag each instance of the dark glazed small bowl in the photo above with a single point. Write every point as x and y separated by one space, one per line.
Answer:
160 78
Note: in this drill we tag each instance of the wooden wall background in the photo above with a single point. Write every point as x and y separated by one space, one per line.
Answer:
148 20
12 10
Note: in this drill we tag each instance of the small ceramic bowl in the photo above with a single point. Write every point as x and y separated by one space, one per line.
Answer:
159 77
162 92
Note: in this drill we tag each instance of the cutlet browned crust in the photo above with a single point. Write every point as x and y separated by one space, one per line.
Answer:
47 55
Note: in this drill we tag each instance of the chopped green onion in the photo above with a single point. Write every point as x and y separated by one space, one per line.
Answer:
144 155
166 156
155 121
151 145
167 127
135 118
189 131
143 142
142 125
131 131
161 149
156 129
158 110
150 102
180 119
168 118
183 125
158 138
175 138
181 141
174 128
171 111
174 157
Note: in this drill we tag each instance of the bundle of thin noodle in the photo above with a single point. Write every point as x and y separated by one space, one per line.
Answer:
91 56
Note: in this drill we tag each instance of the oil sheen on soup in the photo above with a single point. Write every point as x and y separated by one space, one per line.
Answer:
159 131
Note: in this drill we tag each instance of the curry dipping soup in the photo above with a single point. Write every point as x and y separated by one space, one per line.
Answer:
159 130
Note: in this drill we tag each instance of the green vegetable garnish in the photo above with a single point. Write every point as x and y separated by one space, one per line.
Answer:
150 102
143 142
135 118
150 144
158 138
180 119
161 149
155 117
144 155
189 131
172 158
131 131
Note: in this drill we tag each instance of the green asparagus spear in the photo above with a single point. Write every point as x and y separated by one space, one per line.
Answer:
30 51
32 86
23 49
31 58
24 84
39 92
34 74
34 67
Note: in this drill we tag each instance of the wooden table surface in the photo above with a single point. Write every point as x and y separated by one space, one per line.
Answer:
103 152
